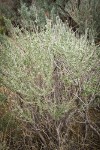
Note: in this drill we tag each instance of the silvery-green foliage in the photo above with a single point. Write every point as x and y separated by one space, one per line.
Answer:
29 62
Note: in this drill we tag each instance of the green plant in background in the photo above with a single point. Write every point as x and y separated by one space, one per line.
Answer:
87 16
35 15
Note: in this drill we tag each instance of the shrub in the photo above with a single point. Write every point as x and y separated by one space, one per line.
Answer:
54 76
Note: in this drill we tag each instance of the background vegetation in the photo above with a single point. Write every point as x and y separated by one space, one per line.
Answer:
49 75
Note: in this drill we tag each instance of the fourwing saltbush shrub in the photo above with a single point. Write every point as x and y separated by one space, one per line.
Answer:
51 69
